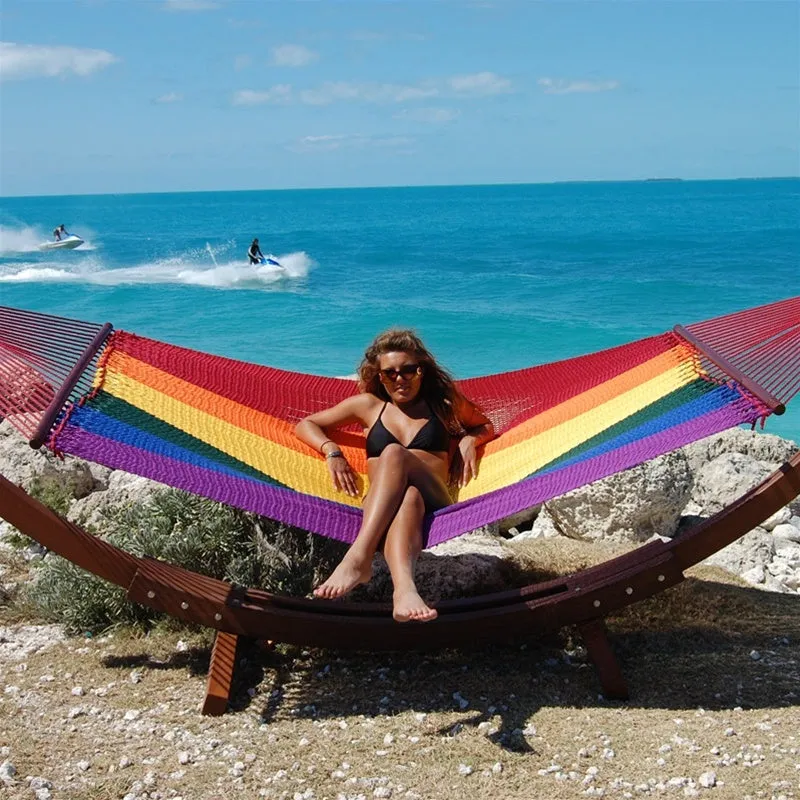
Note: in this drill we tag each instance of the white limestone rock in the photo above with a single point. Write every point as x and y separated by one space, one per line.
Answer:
787 531
24 466
759 446
753 550
123 489
763 559
780 517
544 527
20 641
630 506
726 478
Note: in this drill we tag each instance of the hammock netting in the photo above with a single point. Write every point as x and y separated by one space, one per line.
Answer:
224 429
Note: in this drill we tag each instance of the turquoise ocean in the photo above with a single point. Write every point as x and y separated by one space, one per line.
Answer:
493 277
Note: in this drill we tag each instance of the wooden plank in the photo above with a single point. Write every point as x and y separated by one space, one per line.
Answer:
612 680
220 674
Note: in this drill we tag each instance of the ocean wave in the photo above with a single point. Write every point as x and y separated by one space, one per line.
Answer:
177 270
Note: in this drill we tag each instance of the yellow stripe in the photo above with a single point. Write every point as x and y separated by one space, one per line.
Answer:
502 464
507 465
303 473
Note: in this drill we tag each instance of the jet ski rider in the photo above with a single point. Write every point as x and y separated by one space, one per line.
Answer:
59 232
254 253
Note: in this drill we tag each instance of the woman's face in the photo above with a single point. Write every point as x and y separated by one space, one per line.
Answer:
401 375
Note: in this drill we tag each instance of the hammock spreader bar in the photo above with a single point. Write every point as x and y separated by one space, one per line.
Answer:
774 405
55 408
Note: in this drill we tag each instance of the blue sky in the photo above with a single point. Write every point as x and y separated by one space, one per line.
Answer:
178 95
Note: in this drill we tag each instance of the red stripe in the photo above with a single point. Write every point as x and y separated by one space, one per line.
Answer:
513 397
508 398
289 396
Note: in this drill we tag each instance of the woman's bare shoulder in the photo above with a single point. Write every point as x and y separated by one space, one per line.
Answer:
363 405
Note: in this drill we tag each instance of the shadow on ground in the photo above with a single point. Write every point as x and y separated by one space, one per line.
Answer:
702 643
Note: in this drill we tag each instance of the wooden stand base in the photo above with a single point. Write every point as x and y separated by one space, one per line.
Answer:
595 634
223 663
220 673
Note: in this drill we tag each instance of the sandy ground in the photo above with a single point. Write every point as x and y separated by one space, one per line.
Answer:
713 669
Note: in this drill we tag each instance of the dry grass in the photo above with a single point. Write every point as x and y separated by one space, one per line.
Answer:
394 720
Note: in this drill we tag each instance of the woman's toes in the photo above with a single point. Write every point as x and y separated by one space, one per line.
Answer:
410 607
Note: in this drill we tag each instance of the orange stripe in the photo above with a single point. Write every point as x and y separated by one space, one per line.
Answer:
282 432
581 403
237 414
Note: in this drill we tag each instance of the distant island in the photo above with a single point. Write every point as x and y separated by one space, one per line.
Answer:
662 180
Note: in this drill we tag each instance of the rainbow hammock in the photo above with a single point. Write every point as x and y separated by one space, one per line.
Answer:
223 428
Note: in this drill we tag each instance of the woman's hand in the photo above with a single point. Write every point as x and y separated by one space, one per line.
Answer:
344 479
465 461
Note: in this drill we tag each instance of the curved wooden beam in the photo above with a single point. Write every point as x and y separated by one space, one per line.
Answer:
575 599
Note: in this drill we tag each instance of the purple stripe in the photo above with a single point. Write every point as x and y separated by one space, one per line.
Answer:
342 522
285 505
472 514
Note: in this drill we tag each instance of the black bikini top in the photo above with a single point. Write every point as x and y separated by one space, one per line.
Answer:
432 437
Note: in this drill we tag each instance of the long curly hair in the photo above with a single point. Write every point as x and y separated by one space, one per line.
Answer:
438 388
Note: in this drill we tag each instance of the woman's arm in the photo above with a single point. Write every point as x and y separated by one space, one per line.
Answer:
479 430
313 431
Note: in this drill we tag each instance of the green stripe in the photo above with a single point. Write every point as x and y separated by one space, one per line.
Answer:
670 402
135 417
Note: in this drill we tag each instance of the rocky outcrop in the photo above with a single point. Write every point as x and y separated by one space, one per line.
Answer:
631 506
669 493
24 466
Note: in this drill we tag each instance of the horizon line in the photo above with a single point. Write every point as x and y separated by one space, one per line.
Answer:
654 179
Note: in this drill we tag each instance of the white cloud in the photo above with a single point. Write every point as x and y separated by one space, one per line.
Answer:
432 115
332 92
190 5
480 84
293 55
340 141
564 86
170 97
279 94
19 61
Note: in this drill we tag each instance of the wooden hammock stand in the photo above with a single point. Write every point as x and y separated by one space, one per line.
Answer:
583 599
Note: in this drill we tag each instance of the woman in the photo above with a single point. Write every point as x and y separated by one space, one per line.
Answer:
405 397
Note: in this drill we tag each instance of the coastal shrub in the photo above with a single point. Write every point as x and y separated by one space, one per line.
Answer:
191 532
52 493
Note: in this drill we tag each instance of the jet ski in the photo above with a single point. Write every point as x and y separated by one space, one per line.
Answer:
65 243
271 261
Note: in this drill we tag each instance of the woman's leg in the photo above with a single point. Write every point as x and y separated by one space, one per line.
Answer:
401 549
395 470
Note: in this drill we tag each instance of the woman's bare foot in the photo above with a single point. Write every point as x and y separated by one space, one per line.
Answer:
349 574
410 607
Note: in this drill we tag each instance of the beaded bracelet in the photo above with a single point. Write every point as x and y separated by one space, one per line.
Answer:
327 441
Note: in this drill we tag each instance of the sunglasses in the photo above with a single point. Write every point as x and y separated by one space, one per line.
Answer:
407 371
